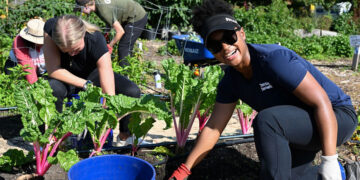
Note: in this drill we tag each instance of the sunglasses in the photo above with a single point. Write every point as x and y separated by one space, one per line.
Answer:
229 37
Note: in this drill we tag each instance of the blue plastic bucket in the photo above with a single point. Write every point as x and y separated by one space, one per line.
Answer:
111 167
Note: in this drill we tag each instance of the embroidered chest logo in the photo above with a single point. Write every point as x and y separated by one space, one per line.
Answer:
107 1
265 86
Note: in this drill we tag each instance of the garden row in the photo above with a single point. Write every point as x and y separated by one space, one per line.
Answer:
191 93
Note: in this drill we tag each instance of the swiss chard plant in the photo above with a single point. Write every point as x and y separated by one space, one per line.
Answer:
8 83
14 158
246 116
138 70
188 94
102 121
212 78
45 127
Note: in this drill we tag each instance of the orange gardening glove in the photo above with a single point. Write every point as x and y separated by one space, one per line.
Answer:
181 173
110 48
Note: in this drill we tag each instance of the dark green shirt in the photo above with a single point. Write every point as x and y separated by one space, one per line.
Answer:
124 11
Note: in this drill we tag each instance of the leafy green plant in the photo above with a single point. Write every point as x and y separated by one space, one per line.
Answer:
8 83
205 109
146 105
139 129
136 70
14 158
276 24
174 11
5 46
187 92
246 116
101 120
163 150
308 23
346 25
36 105
170 48
324 22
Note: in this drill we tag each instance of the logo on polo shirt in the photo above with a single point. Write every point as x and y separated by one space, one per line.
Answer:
231 20
265 86
107 1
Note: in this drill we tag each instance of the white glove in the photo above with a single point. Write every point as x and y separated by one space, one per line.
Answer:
329 168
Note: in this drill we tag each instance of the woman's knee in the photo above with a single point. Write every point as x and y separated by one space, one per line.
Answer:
126 87
263 119
132 90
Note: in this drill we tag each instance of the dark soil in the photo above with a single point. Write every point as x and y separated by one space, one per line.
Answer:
10 126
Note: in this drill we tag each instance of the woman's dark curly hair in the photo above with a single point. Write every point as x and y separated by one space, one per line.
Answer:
207 9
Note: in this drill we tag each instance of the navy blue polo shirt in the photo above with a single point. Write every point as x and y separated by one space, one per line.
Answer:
277 71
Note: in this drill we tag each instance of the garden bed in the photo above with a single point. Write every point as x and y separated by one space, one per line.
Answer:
237 161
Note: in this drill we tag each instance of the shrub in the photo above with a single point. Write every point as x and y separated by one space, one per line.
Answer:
346 25
324 22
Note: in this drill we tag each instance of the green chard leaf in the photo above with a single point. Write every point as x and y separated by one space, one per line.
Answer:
67 159
163 150
140 129
151 104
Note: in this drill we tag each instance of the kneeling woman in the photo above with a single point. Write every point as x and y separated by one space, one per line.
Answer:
76 54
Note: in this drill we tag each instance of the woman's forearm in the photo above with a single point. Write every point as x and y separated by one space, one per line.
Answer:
67 77
107 82
106 74
327 126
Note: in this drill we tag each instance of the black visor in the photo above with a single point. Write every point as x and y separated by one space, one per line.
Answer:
218 22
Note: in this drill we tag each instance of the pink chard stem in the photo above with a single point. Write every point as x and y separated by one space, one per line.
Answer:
203 119
177 131
46 164
186 131
37 156
103 138
241 119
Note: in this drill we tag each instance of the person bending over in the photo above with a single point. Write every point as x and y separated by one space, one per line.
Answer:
76 55
127 17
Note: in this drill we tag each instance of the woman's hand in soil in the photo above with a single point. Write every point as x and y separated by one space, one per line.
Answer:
329 168
181 173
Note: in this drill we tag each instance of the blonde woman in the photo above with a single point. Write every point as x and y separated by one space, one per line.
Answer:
76 54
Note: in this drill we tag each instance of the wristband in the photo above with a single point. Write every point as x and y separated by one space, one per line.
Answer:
85 86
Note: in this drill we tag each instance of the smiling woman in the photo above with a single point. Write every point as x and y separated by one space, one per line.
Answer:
300 111
75 54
